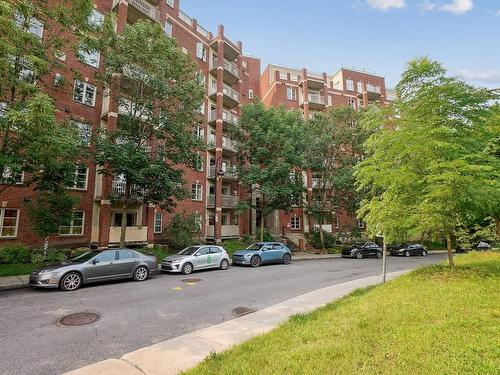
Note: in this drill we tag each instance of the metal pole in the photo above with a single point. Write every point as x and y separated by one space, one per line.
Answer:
384 260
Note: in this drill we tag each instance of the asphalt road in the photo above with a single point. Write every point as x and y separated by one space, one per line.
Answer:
134 315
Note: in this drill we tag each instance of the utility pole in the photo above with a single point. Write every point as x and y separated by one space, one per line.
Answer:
384 260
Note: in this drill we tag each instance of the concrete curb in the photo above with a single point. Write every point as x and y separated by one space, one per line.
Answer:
184 352
14 282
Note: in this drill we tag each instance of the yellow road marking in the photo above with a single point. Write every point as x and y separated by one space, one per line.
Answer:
177 288
191 283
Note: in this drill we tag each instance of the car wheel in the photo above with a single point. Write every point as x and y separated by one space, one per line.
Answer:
187 268
224 264
287 259
359 254
407 253
255 261
424 253
71 281
141 273
379 254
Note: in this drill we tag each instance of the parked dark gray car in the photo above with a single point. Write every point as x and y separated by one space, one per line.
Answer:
95 266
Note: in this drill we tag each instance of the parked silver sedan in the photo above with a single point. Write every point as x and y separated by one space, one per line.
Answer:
196 258
95 266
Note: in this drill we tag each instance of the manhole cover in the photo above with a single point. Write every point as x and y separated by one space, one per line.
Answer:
240 311
78 319
191 280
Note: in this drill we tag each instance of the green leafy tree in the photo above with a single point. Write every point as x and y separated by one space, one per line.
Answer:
182 231
155 85
426 168
270 145
334 146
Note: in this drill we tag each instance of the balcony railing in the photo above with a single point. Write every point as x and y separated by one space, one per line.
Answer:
316 99
230 67
118 189
228 201
227 91
184 17
229 173
144 7
227 117
227 231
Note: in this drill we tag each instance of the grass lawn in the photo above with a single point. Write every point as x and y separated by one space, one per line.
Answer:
432 321
17 269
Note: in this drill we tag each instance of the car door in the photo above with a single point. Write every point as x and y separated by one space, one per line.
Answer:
101 267
266 253
216 257
371 248
202 258
125 264
277 252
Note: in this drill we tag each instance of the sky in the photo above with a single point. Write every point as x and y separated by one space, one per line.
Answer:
377 35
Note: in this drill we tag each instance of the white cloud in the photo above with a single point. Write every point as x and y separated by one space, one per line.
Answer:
487 76
497 13
457 6
386 4
427 6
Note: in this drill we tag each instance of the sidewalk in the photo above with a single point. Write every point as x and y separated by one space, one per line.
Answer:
14 282
184 352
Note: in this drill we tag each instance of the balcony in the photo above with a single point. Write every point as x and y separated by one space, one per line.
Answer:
229 174
231 72
231 97
231 50
118 189
140 9
228 231
372 92
133 235
314 81
228 201
228 147
228 119
316 101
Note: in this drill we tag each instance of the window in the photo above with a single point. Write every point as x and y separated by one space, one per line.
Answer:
203 251
202 108
8 222
329 100
107 256
234 219
351 102
35 26
125 255
11 176
197 222
80 181
90 57
84 130
200 77
283 76
196 192
198 163
184 50
349 84
250 94
169 27
337 222
96 18
199 132
58 80
170 3
201 51
360 224
359 86
215 250
84 93
291 93
158 222
295 223
224 220
244 64
73 226
131 219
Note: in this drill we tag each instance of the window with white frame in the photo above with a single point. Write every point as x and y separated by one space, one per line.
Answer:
244 64
359 86
199 132
283 76
196 192
201 51
329 100
351 102
9 219
291 93
360 224
169 28
349 84
158 222
96 18
197 221
202 108
234 219
74 225
198 163
90 57
84 130
295 223
10 176
84 93
250 94
170 3
80 180
32 25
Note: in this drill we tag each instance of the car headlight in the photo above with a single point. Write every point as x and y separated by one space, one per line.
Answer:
248 255
401 250
45 272
176 261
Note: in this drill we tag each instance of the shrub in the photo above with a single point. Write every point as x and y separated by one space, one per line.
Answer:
158 251
315 240
267 236
14 254
52 256
182 231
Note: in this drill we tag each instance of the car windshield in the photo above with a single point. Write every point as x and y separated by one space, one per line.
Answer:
189 250
85 257
357 245
255 246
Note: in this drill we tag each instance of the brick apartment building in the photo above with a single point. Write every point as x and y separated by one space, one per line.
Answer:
231 80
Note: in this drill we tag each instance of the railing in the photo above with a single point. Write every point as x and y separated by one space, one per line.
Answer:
118 188
227 201
226 90
202 31
372 88
226 117
184 17
132 234
146 8
226 143
316 98
226 231
230 172
229 66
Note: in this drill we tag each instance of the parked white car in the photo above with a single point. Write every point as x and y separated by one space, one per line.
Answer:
195 258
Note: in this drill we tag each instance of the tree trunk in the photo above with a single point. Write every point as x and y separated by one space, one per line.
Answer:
497 226
261 225
321 236
45 246
448 246
123 229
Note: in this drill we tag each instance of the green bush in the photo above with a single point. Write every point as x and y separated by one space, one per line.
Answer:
158 251
14 254
315 240
267 237
232 246
182 231
52 256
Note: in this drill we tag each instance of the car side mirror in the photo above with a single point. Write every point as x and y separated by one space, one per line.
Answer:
95 261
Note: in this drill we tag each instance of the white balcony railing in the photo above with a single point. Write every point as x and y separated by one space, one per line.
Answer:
226 117
230 67
227 201
184 17
227 91
118 188
230 172
226 231
228 144
144 7
132 235
316 98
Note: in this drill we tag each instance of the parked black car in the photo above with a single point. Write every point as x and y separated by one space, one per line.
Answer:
409 249
361 250
479 246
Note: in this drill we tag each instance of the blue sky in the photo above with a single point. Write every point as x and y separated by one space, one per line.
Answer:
378 35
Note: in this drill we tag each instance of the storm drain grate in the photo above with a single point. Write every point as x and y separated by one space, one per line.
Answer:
191 280
240 311
78 319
